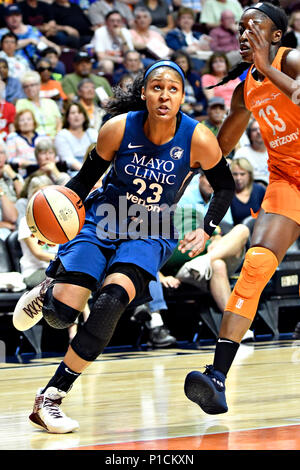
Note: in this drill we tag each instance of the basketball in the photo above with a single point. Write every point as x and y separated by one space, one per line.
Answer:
55 214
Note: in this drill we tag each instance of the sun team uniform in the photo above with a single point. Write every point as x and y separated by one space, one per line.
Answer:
129 219
279 121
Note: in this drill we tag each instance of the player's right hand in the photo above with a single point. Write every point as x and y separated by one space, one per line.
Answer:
194 241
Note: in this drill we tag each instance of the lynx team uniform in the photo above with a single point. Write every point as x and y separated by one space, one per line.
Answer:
152 177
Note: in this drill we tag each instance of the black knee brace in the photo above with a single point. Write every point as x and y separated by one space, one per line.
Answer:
137 275
57 314
96 333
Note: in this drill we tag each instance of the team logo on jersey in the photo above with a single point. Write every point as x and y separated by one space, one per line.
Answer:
176 153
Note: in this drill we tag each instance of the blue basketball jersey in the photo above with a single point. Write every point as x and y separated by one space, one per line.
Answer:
145 180
130 218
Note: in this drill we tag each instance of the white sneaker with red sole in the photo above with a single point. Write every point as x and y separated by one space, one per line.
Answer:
47 414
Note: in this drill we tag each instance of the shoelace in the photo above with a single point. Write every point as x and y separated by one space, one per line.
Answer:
209 370
35 306
52 407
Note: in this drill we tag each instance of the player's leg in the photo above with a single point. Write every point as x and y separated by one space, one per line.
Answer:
272 236
63 303
118 290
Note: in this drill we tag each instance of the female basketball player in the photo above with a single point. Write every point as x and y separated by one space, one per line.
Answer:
270 92
128 233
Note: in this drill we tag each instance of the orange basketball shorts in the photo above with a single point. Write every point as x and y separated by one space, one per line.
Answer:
282 197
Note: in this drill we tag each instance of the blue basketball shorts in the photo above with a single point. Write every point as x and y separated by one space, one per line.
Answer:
95 257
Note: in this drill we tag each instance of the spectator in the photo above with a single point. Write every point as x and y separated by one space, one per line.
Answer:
58 67
216 113
83 69
133 65
195 5
39 14
86 97
30 39
45 110
73 28
13 86
47 172
195 101
110 42
17 65
126 81
162 17
20 144
224 38
255 153
210 271
149 315
198 195
75 137
212 10
10 186
35 258
7 113
292 36
183 37
248 195
217 67
49 88
148 41
99 9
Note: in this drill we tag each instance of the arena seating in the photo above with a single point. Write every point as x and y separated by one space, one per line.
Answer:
281 291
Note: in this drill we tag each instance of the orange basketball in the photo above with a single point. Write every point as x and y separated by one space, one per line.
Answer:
55 214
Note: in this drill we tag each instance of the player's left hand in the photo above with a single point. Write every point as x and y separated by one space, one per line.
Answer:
194 241
260 47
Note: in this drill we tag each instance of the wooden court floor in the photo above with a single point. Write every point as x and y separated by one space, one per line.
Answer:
135 401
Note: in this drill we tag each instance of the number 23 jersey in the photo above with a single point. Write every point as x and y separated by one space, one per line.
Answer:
279 121
144 175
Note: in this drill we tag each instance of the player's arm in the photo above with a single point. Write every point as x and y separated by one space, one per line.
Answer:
235 123
100 157
205 152
287 79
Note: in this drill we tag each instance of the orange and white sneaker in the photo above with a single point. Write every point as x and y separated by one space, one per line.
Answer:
28 311
47 414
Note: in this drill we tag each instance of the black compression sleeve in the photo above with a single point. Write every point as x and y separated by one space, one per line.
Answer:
222 182
91 171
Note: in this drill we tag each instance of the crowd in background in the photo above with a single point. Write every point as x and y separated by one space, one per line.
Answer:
60 62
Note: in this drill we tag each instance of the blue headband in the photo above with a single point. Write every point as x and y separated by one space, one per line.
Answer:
165 63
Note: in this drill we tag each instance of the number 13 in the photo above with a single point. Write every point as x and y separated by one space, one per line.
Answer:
270 110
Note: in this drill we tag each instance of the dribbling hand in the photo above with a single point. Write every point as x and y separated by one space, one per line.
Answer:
194 241
40 242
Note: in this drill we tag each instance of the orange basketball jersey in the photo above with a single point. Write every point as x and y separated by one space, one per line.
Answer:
279 121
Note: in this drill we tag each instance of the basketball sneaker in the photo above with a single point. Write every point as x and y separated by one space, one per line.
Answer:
207 390
195 270
47 414
28 310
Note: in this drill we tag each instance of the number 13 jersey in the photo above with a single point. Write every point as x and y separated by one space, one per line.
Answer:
279 120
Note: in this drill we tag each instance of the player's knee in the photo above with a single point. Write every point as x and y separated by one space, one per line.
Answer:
57 314
96 333
138 277
259 266
219 268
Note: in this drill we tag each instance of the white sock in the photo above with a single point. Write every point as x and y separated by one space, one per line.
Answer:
155 321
